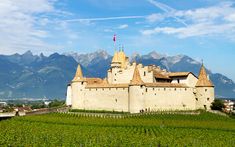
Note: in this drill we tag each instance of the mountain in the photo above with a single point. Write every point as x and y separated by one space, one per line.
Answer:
39 76
33 76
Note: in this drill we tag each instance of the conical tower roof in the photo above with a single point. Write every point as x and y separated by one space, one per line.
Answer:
115 57
78 75
136 80
203 80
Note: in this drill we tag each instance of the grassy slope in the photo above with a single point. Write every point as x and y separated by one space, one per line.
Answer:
71 130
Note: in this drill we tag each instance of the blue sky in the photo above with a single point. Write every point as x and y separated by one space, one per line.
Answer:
201 29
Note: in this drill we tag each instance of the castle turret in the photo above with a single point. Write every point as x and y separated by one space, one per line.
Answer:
136 94
205 90
77 85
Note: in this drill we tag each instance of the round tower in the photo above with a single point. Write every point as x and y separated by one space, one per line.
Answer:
204 91
136 93
77 85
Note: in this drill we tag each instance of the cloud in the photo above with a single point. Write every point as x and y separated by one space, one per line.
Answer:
192 30
214 20
167 9
106 18
124 26
19 26
155 17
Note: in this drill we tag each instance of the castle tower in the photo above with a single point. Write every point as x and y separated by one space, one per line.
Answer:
119 62
136 93
205 90
77 85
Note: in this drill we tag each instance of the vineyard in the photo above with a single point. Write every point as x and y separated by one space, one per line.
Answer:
58 129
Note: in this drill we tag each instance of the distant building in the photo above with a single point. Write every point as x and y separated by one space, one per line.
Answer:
228 106
47 103
3 104
136 88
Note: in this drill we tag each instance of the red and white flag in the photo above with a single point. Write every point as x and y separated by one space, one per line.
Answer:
114 37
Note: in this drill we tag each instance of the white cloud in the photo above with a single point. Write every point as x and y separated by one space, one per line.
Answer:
106 18
167 9
155 17
123 26
215 20
192 30
20 25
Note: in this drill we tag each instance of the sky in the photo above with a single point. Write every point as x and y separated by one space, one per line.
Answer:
201 29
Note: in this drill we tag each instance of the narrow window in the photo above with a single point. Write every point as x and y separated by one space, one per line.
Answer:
144 73
146 89
178 80
208 99
82 83
196 99
175 89
205 90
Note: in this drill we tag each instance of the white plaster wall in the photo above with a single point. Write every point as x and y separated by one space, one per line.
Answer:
69 96
160 98
190 80
205 96
77 93
120 75
136 99
111 99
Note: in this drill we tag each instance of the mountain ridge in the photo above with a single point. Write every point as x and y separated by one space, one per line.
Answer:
38 76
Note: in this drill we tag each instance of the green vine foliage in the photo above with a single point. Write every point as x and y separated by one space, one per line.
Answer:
64 129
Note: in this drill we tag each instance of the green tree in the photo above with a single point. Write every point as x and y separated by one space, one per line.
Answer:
217 104
56 103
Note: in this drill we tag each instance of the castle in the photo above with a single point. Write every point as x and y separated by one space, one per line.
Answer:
136 88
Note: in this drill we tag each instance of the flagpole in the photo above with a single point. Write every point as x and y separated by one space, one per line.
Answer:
114 40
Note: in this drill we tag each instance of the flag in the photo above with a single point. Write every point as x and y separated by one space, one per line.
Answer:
114 37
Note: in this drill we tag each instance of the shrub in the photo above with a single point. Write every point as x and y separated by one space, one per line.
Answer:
217 104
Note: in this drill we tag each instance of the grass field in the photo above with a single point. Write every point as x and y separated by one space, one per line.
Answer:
58 129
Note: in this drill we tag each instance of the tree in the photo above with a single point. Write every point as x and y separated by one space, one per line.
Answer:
217 104
56 103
